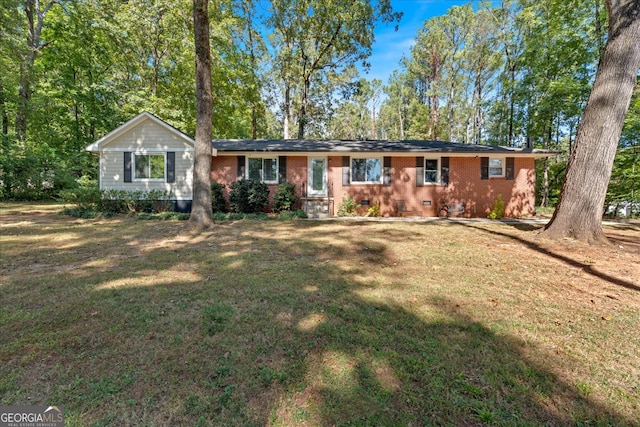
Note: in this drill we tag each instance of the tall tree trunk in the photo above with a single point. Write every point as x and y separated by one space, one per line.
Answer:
201 211
580 207
4 116
545 183
302 119
287 111
451 109
512 102
35 19
252 55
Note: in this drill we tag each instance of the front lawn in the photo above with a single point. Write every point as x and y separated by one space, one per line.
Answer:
129 322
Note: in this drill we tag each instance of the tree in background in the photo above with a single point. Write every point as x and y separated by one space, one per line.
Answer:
315 41
579 211
35 14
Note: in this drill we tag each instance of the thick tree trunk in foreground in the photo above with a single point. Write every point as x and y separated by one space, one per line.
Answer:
580 207
201 211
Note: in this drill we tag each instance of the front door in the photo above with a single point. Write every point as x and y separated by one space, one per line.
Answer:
317 177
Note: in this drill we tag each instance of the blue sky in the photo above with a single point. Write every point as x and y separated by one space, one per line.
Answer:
390 45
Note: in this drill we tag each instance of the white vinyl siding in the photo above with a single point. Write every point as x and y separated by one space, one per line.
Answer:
148 138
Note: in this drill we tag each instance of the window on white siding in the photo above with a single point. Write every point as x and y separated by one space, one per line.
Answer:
431 171
496 167
149 166
366 170
263 169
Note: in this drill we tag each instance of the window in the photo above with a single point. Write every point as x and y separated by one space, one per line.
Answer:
149 166
365 170
496 167
263 169
431 171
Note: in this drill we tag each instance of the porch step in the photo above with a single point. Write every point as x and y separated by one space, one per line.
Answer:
317 208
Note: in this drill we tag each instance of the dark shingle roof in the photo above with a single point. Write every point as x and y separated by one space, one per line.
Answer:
351 146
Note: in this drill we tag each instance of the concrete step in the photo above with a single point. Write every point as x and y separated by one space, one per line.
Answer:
317 208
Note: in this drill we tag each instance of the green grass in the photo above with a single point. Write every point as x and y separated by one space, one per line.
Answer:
291 323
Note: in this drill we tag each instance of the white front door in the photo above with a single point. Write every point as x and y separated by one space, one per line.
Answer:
317 176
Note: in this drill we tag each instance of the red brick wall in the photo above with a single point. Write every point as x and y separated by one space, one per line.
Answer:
465 186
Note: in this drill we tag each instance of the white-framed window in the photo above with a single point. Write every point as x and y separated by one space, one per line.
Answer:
496 167
149 166
264 169
431 171
366 170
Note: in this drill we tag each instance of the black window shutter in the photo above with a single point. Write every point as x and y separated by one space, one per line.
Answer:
484 168
419 171
282 169
510 169
346 170
241 167
171 166
386 162
127 166
444 171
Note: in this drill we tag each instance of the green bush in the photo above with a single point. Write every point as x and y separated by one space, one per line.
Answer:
116 201
218 203
85 199
293 215
285 197
498 208
248 196
348 207
374 211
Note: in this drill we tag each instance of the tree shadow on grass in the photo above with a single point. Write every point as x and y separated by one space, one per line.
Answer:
273 331
587 268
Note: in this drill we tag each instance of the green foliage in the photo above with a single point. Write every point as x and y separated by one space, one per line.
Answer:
173 216
624 186
348 207
498 208
82 198
235 216
374 211
631 130
218 202
285 197
248 196
31 171
90 199
557 170
298 214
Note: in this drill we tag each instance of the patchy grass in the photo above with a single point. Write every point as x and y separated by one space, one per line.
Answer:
131 322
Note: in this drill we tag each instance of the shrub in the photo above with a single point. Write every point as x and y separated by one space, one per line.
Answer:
498 208
374 211
117 201
348 207
292 215
218 203
285 197
248 196
158 201
85 199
